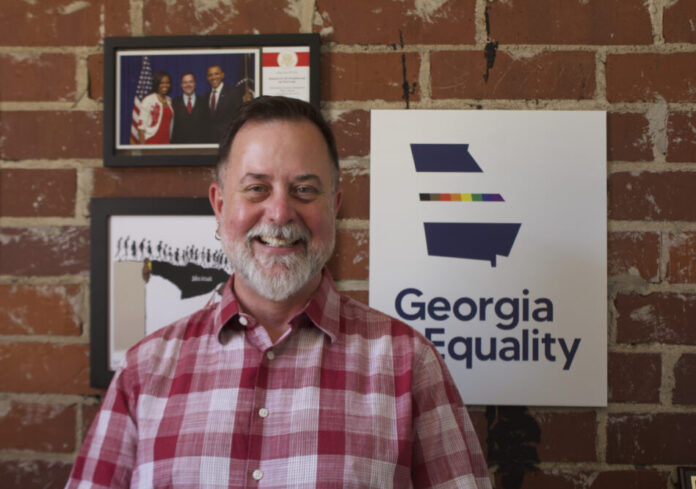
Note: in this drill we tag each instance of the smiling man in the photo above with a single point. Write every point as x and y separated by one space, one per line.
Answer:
286 383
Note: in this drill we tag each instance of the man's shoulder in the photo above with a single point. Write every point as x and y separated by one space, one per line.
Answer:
172 338
368 321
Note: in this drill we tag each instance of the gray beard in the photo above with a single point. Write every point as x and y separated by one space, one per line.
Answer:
277 277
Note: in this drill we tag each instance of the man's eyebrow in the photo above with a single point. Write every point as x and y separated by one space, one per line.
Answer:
255 176
306 177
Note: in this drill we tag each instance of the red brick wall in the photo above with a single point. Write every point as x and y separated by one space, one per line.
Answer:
634 59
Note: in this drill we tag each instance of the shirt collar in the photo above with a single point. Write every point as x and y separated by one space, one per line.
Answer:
322 309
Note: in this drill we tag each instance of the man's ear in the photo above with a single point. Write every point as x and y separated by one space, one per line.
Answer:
215 196
338 198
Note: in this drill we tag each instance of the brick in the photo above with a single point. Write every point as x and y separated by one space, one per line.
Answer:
356 195
350 260
95 69
72 134
587 22
117 18
641 77
37 193
152 182
635 479
60 22
682 258
628 138
654 439
33 426
547 75
681 134
40 309
239 17
678 21
567 436
650 196
634 253
44 368
23 77
684 391
656 318
396 23
554 478
34 474
367 76
352 132
635 377
44 250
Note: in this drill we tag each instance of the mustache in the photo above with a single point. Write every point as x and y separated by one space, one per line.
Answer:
288 232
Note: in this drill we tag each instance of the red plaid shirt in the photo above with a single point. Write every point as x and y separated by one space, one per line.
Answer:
347 398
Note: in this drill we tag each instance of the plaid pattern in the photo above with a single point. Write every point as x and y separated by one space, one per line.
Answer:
348 398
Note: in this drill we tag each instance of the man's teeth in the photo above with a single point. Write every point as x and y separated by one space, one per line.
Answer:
272 241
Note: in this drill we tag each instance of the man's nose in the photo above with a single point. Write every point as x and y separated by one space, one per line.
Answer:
280 208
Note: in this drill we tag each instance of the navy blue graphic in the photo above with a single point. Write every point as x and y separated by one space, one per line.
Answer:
473 240
469 240
444 158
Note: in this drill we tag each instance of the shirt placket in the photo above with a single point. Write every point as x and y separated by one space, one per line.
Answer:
258 415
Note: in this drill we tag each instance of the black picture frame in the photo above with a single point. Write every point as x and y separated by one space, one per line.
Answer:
687 477
251 51
157 217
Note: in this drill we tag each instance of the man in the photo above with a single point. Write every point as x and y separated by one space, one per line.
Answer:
286 383
223 101
191 125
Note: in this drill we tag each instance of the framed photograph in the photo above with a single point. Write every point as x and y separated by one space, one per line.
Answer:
168 100
687 477
153 261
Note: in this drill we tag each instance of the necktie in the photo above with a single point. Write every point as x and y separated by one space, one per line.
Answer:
188 105
212 102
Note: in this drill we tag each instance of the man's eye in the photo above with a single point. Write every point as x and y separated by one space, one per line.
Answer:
305 190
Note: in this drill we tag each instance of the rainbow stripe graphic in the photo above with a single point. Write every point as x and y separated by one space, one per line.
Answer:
462 197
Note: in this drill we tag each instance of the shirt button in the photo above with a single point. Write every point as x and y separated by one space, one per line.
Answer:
243 321
270 355
263 412
257 475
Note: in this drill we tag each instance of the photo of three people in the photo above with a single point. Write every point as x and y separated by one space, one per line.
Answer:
182 99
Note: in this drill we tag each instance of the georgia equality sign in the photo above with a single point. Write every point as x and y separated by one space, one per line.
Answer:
488 235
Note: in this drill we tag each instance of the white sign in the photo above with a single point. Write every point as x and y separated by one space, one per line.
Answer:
488 235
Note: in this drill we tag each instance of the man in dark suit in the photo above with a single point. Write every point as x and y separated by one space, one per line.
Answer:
223 101
191 116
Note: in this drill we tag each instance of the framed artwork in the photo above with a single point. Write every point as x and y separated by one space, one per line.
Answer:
687 477
168 100
153 261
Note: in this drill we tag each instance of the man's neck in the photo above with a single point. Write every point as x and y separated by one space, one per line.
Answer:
274 316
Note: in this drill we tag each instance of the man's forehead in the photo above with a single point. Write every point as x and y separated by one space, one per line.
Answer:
255 136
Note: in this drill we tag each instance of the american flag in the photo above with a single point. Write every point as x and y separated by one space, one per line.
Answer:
144 87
